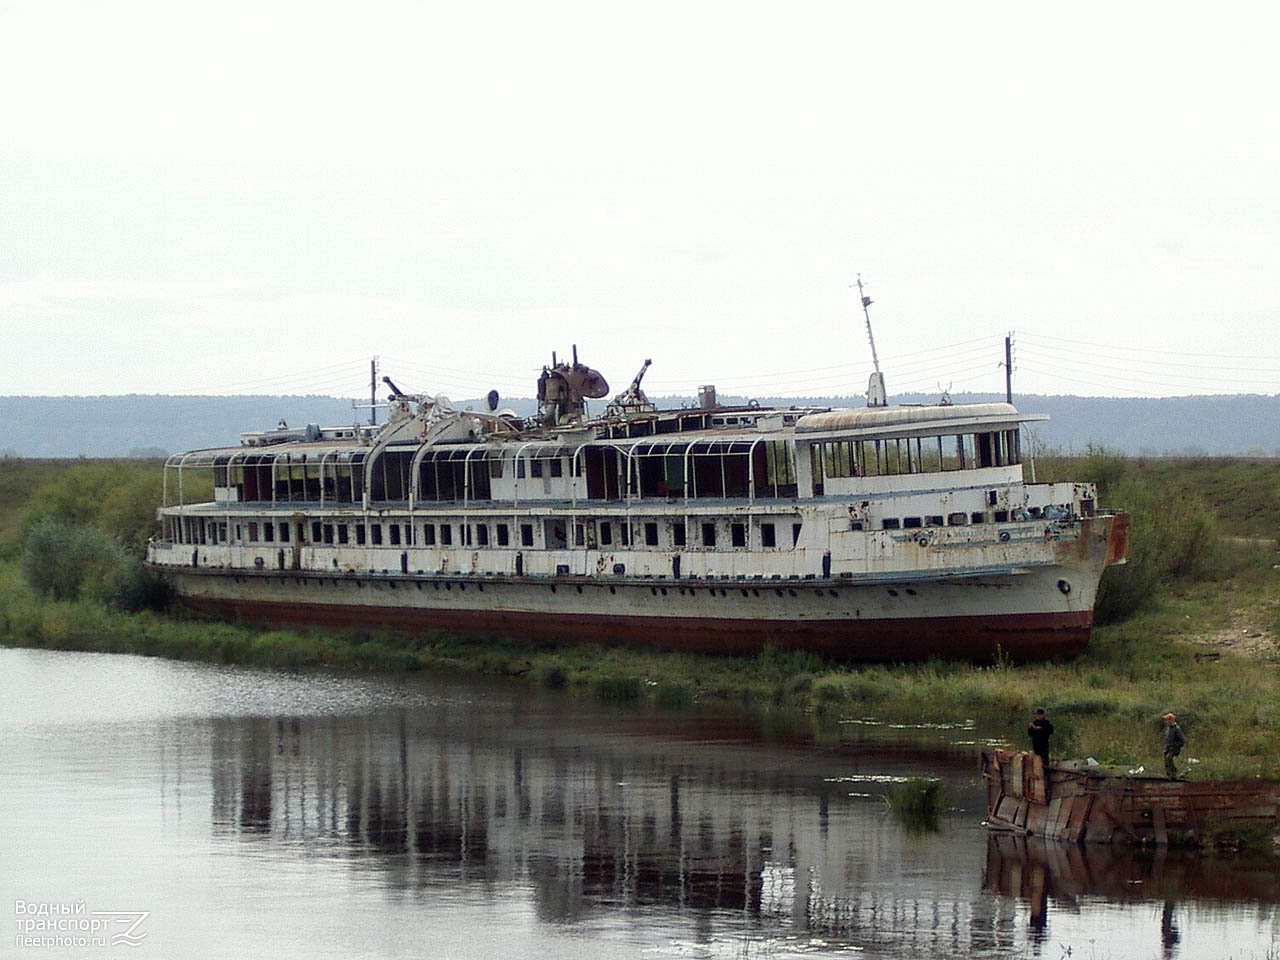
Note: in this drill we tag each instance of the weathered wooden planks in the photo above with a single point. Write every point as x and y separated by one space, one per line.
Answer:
1070 803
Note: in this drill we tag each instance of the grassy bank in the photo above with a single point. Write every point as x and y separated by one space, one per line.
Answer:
1199 641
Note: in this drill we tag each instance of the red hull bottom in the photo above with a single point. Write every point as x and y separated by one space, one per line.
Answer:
1019 637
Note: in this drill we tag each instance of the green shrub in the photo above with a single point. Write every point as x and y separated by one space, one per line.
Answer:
617 689
66 560
916 803
673 694
553 675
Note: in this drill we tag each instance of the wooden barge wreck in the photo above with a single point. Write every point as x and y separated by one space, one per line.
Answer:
1072 802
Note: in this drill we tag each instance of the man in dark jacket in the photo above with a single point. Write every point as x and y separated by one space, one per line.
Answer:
1173 744
1039 730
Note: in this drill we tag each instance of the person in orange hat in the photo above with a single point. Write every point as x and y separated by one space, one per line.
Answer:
1174 740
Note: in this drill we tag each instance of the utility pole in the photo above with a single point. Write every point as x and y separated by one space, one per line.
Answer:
1008 368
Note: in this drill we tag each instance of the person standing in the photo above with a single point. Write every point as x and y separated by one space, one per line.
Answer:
1174 740
1039 730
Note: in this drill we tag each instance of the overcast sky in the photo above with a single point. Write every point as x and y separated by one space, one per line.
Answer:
261 197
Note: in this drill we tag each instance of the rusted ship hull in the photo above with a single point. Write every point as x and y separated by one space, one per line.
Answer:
835 619
1065 802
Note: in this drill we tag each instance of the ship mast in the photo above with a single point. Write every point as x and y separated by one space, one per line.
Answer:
876 396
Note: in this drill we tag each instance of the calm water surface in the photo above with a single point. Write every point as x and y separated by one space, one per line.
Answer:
251 813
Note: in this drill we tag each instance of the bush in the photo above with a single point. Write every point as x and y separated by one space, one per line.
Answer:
673 694
66 560
553 675
617 689
117 497
916 803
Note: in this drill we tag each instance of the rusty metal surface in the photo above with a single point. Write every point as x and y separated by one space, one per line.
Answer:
1099 808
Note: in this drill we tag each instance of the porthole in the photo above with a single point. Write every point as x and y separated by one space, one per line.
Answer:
1064 587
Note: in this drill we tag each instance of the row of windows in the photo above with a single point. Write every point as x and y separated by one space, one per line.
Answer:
592 534
872 458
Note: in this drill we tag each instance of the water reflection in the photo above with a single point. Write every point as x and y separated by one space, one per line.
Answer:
360 816
631 818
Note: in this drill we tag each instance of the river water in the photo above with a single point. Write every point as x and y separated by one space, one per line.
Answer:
171 810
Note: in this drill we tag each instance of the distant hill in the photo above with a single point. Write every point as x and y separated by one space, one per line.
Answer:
1238 425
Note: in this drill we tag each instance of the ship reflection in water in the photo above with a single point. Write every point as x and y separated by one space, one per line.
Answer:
636 818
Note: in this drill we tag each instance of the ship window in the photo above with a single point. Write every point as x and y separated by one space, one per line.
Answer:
446 535
359 534
651 534
482 534
768 535
839 458
535 468
316 534
891 523
520 468
253 532
795 533
504 536
911 523
738 533
526 534
395 534
344 534
222 533
815 468
556 534
933 520
708 534
606 533
464 534
269 532
986 449
677 533
429 534
375 533
557 467
495 467
1001 516
328 533
625 530
780 468
957 519
579 535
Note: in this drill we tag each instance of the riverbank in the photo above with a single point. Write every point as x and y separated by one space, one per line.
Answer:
1207 652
